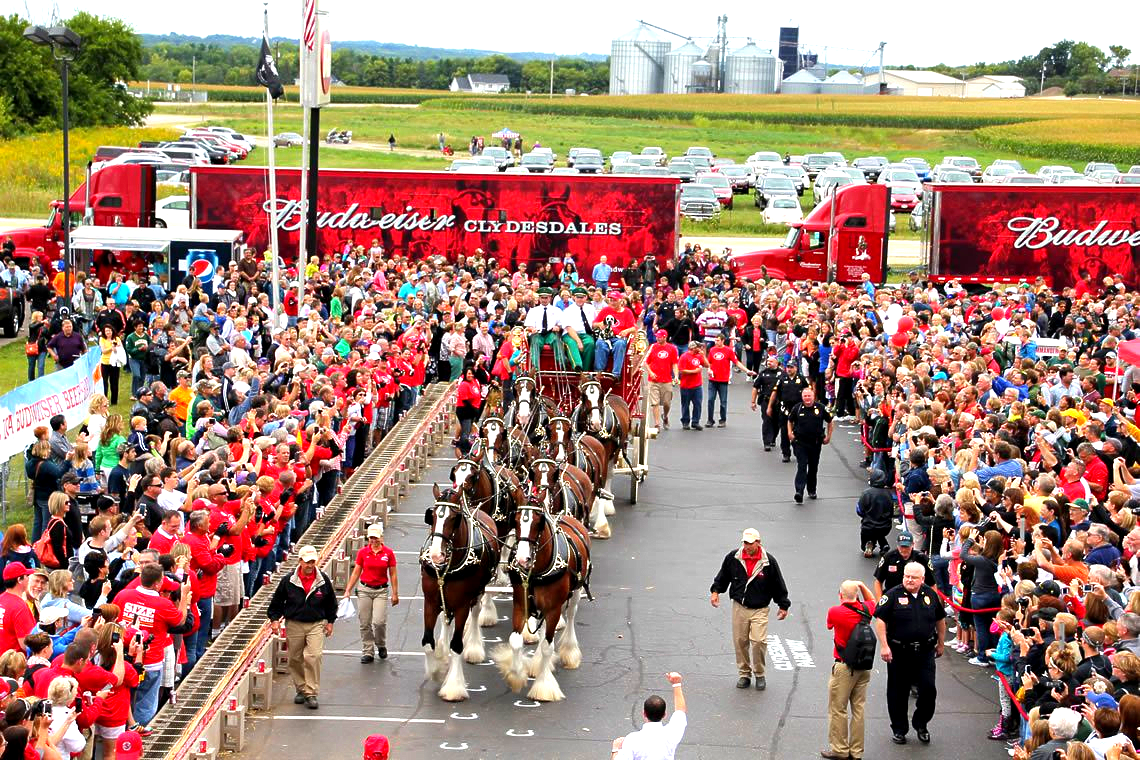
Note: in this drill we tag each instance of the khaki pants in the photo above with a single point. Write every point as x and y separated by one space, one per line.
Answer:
846 687
372 609
750 632
661 394
306 643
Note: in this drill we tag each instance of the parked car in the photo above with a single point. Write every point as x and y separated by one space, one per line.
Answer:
626 168
658 154
920 167
1105 176
997 174
966 164
720 185
953 176
1134 169
795 173
1099 166
550 154
917 214
699 201
906 190
740 177
783 210
1024 179
857 176
716 163
1061 178
871 166
699 150
232 135
1010 163
814 163
1127 179
288 140
682 170
1048 171
590 163
774 186
619 157
171 178
702 163
836 157
655 171
536 163
828 181
573 155
173 212
891 221
643 160
503 158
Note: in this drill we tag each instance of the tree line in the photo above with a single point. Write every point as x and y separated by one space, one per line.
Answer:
187 63
1076 67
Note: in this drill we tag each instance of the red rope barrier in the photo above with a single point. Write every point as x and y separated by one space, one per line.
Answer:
1013 697
960 608
867 444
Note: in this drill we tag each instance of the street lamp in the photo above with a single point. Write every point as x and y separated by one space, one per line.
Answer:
64 44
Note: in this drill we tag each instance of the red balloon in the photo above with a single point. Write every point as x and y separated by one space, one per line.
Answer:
905 323
997 313
900 339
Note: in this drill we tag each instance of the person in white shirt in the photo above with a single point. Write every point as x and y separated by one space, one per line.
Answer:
577 332
544 328
656 740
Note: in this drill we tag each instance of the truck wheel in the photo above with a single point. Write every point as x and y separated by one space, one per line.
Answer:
12 323
159 223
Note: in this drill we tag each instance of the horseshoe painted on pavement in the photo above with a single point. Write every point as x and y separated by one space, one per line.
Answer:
521 703
511 732
462 746
495 640
472 716
487 662
476 688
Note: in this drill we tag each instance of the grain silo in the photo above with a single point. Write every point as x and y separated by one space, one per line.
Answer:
637 63
703 78
802 82
751 71
679 69
842 83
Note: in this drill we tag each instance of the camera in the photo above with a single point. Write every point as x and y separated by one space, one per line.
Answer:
116 637
1088 587
1023 602
1055 685
1028 632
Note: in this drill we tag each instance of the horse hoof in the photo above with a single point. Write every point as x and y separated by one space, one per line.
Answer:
454 694
571 660
603 532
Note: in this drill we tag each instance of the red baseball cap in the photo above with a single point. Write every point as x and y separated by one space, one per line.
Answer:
376 747
14 570
128 746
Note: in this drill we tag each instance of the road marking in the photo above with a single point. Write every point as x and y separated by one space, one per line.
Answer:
512 732
359 719
416 554
390 654
460 746
799 658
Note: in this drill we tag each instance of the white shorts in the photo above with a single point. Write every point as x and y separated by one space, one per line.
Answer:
108 732
229 591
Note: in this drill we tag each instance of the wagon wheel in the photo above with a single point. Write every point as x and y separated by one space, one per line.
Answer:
637 434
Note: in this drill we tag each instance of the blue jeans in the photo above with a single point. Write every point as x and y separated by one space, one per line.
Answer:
982 620
36 365
604 349
718 389
145 701
941 567
137 375
41 520
691 406
196 644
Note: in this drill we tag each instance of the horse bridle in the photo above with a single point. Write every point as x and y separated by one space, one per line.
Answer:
538 547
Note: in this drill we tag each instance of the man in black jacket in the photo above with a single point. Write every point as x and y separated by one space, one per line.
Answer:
876 509
753 581
305 605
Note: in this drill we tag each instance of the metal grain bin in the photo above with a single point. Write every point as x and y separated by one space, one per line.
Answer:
751 71
679 69
803 82
637 63
842 83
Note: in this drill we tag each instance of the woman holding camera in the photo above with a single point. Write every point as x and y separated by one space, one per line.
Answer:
125 666
983 554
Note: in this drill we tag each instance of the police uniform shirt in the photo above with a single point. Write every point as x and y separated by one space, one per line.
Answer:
889 572
789 389
910 619
765 381
809 422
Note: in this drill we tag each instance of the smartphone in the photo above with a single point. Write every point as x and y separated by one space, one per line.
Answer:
1028 633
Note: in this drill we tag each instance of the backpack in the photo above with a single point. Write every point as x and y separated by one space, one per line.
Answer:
859 654
45 551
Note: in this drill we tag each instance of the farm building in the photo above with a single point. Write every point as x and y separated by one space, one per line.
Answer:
485 83
923 83
803 82
846 83
995 86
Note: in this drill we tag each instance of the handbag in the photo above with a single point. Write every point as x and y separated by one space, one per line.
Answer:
32 348
43 548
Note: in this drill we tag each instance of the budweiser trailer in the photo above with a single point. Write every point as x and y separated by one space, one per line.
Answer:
517 220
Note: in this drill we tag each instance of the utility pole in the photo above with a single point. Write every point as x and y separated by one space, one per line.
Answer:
882 76
193 74
552 77
1041 89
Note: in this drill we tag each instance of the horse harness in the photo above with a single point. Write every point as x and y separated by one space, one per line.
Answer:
472 557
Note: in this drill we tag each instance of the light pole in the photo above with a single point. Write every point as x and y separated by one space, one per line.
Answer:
1042 87
64 44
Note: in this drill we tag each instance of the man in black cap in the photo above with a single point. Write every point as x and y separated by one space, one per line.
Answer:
889 571
785 395
228 399
544 328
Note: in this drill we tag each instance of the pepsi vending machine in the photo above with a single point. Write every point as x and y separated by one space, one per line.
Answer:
204 256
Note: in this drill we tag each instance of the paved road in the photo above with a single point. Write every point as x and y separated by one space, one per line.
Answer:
651 615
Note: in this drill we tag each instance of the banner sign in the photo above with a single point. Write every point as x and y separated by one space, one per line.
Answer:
1029 230
33 404
516 219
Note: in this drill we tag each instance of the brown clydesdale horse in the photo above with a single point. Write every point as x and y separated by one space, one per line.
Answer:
588 454
551 561
457 562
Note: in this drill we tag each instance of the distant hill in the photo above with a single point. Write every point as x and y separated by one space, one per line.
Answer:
385 49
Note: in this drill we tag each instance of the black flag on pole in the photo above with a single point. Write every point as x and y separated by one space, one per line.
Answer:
267 72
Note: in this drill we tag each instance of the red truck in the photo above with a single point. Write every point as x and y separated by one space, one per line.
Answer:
974 234
517 220
120 195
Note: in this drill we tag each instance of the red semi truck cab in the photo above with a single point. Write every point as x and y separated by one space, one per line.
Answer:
842 239
121 195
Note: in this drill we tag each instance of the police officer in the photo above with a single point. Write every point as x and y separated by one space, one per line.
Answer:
911 626
810 426
785 395
889 572
762 389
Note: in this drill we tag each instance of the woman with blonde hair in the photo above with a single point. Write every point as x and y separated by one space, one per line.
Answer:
80 460
61 693
35 348
60 588
97 410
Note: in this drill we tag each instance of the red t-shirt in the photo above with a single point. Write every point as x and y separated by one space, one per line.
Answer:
689 360
1096 473
624 318
842 619
375 565
721 359
226 515
92 678
117 705
204 561
739 318
155 613
161 542
661 361
16 621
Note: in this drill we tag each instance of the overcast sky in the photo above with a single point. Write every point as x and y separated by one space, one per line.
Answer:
923 34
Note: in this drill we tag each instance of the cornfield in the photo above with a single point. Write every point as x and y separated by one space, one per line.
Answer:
1115 140
31 177
340 94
